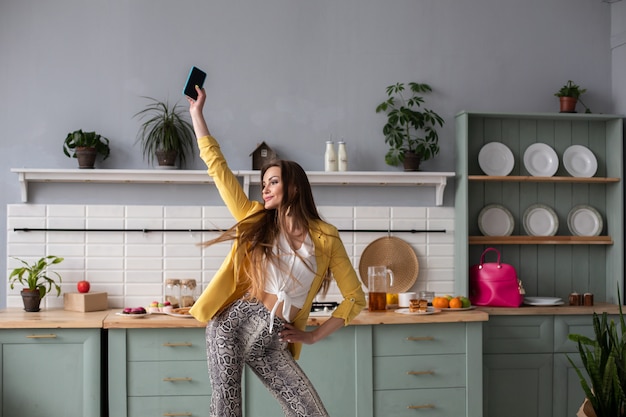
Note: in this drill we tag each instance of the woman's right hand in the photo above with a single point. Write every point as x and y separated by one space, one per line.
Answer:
195 110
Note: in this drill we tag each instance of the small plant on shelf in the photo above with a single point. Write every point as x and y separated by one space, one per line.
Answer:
411 130
86 146
569 96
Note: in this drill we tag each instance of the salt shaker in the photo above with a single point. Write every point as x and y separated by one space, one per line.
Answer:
342 156
330 157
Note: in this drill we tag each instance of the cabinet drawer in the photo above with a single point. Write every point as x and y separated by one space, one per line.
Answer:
518 334
169 406
166 344
426 371
425 402
168 378
566 325
402 339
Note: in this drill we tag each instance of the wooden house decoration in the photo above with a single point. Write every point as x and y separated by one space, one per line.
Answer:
262 154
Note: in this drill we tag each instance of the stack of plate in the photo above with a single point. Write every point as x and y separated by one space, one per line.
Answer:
579 161
495 220
543 301
541 160
584 220
496 159
540 220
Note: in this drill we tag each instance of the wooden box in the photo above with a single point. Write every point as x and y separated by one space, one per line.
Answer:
91 301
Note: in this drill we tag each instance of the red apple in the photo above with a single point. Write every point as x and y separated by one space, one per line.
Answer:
83 286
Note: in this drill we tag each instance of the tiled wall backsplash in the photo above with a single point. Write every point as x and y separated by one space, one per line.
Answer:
131 266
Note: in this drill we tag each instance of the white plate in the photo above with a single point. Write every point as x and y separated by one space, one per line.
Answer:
584 220
543 301
429 310
459 309
495 220
541 160
540 220
496 158
132 316
579 161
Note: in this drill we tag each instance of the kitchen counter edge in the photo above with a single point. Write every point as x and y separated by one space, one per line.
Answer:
14 318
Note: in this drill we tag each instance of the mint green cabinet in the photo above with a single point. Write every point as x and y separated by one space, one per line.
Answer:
50 372
157 372
359 371
526 361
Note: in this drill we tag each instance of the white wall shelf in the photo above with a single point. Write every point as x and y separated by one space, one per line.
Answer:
438 180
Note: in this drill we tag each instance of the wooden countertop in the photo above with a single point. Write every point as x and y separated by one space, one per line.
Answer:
552 310
14 318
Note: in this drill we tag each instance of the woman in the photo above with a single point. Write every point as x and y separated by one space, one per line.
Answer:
258 303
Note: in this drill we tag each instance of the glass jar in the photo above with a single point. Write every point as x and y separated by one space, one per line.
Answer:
172 292
188 294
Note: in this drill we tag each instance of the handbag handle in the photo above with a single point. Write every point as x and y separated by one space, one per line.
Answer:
482 257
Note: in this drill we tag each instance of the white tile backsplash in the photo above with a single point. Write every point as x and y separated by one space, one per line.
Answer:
132 266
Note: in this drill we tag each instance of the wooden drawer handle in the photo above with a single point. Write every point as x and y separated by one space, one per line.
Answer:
42 336
419 339
416 407
177 414
185 344
184 379
421 373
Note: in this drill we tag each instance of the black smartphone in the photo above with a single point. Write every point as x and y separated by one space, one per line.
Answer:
196 78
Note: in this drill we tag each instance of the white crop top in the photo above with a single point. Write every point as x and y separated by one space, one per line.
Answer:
292 277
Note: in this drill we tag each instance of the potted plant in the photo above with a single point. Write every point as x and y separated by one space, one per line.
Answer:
165 134
604 360
569 96
36 280
410 131
86 146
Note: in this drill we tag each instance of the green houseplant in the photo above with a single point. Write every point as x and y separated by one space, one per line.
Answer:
35 277
569 96
411 130
165 134
604 362
86 146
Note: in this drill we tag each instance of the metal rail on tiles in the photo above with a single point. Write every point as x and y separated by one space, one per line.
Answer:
28 229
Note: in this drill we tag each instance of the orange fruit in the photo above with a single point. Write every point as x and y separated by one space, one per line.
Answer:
440 302
456 303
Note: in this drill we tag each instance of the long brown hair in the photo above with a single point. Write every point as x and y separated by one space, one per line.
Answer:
257 234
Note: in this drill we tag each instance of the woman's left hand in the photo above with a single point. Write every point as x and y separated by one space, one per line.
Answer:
292 334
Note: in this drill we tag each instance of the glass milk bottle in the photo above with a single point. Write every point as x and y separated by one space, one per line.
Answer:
330 158
342 156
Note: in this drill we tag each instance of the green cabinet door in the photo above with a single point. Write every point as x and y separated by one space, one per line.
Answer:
335 372
50 372
517 385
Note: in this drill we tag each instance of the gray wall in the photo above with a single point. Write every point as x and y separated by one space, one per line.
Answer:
290 72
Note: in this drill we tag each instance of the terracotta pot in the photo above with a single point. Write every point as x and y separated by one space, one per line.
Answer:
86 157
568 104
166 158
411 161
31 299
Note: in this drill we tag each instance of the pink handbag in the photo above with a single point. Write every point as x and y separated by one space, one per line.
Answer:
495 284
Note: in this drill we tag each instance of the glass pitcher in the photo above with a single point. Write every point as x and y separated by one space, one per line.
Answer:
379 279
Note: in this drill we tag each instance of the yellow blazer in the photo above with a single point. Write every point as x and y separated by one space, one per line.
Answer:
227 285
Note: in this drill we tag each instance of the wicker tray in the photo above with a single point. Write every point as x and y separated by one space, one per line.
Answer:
395 254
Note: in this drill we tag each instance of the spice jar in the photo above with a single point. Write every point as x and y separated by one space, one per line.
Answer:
575 299
588 299
187 292
172 292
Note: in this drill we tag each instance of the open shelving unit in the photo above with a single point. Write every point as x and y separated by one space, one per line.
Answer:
547 265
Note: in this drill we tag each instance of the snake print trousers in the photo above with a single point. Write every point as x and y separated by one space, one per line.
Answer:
240 335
